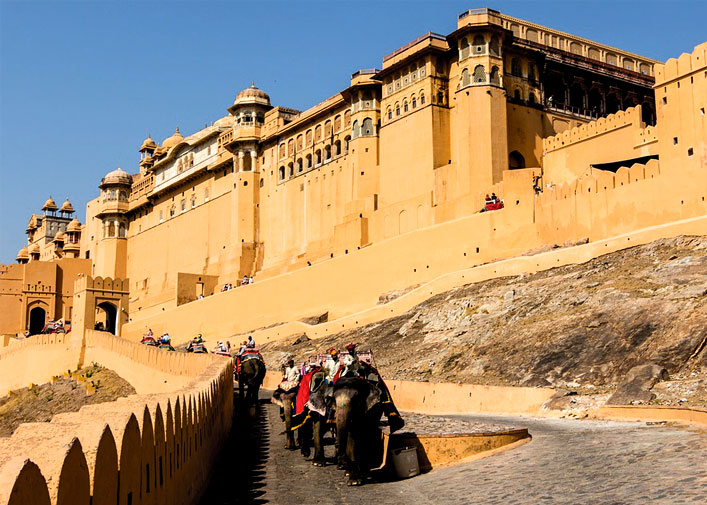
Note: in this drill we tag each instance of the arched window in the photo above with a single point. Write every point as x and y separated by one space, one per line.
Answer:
281 173
347 118
327 129
290 147
111 229
440 97
309 161
290 169
405 106
577 96
347 140
122 230
123 196
113 194
300 167
479 73
517 96
327 153
613 103
318 133
516 160
494 47
337 148
299 142
282 150
193 201
465 80
463 48
495 76
422 98
308 137
180 166
367 128
596 102
397 109
414 101
337 123
515 67
317 158
183 204
356 130
390 113
172 211
532 99
479 44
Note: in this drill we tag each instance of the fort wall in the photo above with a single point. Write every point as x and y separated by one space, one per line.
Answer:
155 448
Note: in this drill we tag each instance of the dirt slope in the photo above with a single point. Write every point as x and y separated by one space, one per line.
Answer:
42 402
578 327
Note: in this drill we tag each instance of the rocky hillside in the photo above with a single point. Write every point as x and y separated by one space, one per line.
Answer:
580 327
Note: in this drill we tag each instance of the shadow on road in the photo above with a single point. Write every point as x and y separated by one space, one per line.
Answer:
239 473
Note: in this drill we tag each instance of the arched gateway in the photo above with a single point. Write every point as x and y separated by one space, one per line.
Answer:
100 303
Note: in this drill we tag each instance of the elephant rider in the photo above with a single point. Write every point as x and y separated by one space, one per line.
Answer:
350 362
291 376
251 343
221 347
164 339
331 366
197 341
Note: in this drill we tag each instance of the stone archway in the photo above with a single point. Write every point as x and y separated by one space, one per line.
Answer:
37 320
110 313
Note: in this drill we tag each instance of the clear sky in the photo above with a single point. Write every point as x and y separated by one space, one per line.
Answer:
82 83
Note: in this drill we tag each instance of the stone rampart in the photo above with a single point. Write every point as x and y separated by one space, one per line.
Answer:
144 449
686 63
621 119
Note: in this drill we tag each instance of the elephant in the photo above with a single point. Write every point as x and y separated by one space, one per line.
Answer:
252 373
310 422
286 400
358 412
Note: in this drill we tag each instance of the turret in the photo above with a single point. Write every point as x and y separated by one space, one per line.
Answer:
112 255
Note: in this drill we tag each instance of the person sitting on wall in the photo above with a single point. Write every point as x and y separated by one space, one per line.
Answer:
244 281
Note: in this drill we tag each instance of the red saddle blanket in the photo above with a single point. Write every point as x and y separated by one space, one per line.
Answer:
303 393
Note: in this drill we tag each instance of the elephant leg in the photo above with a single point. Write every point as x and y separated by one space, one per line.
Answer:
355 476
289 434
318 423
304 435
342 436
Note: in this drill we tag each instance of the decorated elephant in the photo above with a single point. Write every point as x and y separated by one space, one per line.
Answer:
358 413
251 374
286 401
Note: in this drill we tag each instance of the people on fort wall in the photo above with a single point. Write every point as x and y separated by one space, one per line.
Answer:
492 203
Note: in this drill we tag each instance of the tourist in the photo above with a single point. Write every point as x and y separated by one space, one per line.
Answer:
251 343
332 365
351 362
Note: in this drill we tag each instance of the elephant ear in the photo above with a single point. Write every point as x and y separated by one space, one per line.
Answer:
373 397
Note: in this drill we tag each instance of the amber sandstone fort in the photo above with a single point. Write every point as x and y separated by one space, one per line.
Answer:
379 188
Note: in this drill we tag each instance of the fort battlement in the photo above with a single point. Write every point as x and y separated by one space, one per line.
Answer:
684 65
85 282
628 117
159 447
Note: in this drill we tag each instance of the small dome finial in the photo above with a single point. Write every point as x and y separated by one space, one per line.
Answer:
177 130
252 84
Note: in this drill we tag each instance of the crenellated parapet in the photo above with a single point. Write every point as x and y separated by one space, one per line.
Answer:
685 64
145 448
600 181
629 117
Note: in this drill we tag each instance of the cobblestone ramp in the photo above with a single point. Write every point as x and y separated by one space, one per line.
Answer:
568 462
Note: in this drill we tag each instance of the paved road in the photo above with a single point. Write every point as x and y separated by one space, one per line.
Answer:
567 462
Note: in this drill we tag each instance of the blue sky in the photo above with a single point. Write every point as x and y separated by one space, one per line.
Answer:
82 83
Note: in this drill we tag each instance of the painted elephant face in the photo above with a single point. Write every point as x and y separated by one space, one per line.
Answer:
373 397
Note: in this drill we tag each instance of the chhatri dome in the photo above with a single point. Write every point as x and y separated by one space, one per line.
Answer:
74 225
149 143
67 207
23 254
252 95
117 176
49 204
172 141
59 237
